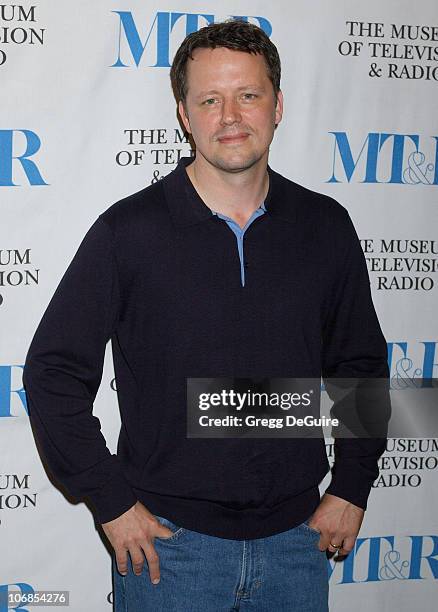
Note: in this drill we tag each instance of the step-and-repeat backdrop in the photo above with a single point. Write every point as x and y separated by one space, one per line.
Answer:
87 117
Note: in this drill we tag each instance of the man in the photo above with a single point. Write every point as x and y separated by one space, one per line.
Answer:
224 522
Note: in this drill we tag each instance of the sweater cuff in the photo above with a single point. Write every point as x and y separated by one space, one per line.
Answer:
351 486
115 498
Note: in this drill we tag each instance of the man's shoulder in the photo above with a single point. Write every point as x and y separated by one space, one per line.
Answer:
308 203
138 209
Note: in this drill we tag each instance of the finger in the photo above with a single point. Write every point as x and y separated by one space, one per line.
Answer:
137 559
122 560
161 531
336 548
153 561
320 538
347 546
324 541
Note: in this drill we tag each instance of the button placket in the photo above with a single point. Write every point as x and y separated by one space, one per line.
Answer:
239 233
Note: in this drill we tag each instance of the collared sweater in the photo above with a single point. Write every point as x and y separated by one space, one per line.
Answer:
158 274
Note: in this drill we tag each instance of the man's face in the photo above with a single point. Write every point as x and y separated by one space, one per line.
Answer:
230 108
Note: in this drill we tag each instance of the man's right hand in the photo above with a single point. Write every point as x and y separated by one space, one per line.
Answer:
134 531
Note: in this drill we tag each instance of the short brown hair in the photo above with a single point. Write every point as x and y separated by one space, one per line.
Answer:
233 34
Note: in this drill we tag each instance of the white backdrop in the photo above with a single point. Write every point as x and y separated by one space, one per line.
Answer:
88 118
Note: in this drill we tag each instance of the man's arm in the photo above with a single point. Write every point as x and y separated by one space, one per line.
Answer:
353 346
62 374
63 371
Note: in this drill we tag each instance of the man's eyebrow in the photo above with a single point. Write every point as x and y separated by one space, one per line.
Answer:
207 93
243 87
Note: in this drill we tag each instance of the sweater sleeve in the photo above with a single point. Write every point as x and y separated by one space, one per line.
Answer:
354 347
62 373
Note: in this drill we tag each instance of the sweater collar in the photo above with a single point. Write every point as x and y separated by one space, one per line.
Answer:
187 207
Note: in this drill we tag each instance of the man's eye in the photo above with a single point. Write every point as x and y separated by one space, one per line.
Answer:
249 96
209 101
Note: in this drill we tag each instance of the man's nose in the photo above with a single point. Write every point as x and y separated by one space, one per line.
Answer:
230 112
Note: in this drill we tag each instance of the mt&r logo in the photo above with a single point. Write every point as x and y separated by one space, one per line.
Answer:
132 47
385 158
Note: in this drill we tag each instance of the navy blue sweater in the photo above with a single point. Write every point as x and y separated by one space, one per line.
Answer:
159 275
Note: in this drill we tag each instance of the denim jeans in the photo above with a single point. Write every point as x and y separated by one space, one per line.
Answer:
285 572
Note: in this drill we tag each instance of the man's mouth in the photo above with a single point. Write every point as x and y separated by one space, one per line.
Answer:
233 138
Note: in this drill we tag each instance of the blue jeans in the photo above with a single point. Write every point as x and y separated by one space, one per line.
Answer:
285 572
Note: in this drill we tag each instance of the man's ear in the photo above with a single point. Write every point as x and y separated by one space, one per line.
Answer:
279 107
184 116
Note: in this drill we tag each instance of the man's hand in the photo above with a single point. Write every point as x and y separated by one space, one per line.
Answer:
134 531
338 521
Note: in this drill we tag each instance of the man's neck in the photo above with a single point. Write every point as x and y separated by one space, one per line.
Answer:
236 195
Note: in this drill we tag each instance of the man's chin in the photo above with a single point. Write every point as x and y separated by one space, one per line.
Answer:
235 164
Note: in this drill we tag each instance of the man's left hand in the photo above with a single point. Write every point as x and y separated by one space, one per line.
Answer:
338 521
